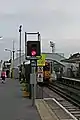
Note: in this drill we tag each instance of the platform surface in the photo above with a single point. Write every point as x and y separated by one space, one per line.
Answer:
50 110
12 105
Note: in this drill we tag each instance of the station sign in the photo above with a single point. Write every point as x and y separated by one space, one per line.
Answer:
40 74
40 77
41 61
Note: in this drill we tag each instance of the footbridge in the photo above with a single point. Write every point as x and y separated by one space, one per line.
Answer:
56 57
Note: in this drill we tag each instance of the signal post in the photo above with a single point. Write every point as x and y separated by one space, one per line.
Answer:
32 50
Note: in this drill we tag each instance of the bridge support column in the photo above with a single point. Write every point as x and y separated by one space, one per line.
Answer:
79 70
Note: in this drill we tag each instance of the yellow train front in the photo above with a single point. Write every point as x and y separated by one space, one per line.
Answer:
47 71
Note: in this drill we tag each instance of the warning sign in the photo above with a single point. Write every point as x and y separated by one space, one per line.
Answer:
40 74
40 77
40 69
41 62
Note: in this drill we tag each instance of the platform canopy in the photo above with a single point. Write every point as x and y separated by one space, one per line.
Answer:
73 60
50 59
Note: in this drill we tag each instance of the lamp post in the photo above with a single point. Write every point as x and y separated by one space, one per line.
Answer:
20 54
1 37
10 59
52 45
10 53
12 62
18 51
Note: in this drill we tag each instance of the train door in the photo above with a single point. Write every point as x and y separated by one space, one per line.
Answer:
46 70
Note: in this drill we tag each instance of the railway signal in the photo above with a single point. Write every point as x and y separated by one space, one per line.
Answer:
33 48
32 52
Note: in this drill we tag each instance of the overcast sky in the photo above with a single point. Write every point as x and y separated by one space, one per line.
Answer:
56 20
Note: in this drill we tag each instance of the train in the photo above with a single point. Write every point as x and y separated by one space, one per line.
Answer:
48 73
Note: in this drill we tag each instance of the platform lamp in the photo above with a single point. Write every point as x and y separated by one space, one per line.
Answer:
52 45
10 58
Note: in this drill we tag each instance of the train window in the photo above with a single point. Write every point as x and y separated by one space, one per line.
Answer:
47 68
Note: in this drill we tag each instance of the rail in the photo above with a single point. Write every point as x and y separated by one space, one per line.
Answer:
68 102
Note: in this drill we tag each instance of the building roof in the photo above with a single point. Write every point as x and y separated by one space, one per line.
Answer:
75 58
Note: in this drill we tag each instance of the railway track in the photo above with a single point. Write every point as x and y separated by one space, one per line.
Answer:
71 105
70 92
70 84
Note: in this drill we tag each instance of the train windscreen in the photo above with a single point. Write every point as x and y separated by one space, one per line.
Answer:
47 67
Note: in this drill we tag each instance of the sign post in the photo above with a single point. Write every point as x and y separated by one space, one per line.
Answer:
33 81
40 74
40 64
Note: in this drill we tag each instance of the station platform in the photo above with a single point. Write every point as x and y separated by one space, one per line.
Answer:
12 105
50 109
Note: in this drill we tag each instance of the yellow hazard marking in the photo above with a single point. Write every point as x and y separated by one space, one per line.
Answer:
41 62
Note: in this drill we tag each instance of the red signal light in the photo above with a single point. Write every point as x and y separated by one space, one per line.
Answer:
33 53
